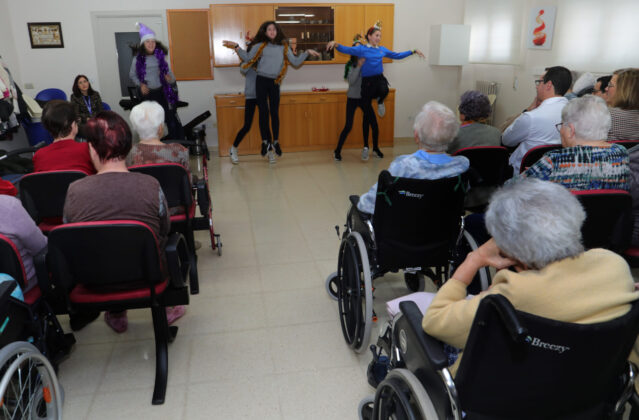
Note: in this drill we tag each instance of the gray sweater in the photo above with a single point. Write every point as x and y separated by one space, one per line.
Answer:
249 84
354 83
272 60
152 73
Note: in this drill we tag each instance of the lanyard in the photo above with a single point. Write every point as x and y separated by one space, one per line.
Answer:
87 101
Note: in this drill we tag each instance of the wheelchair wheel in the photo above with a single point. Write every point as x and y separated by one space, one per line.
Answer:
415 282
332 285
29 388
355 292
402 396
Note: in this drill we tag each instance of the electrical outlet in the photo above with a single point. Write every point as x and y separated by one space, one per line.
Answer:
28 85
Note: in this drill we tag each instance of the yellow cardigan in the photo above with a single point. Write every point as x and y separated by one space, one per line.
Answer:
595 286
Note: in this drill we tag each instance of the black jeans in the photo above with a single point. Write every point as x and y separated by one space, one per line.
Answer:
351 107
176 131
249 111
268 102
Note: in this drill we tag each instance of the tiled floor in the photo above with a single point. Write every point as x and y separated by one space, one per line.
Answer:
262 339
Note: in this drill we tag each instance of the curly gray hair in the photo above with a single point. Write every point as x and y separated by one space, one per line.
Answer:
536 222
590 117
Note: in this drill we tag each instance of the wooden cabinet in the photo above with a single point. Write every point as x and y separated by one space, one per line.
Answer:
232 22
308 121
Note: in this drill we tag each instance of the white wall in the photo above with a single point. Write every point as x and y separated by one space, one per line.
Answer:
416 82
590 35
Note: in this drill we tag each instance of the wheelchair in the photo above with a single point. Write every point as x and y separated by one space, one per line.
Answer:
515 366
417 226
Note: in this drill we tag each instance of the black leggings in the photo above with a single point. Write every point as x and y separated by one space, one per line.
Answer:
373 87
267 90
176 131
249 111
351 107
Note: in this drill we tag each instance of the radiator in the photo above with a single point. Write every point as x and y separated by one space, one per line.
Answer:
489 89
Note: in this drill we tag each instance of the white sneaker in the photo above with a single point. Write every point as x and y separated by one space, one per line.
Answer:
233 155
271 156
381 109
365 153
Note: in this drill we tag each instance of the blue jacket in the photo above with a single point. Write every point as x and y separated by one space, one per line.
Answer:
373 55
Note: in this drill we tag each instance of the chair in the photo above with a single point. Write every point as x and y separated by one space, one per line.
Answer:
34 318
626 143
489 169
43 195
176 185
534 154
106 107
118 265
515 366
47 95
417 225
35 131
608 221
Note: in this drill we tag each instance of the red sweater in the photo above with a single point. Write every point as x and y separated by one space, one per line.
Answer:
64 155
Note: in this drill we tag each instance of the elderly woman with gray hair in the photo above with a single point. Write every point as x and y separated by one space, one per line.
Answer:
474 110
434 128
585 161
536 230
147 119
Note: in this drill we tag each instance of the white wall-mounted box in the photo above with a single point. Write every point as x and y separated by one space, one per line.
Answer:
449 45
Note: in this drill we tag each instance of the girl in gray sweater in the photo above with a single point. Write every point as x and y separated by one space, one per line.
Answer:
272 54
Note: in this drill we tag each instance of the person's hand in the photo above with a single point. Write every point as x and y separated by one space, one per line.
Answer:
144 89
167 78
489 254
360 61
419 53
330 45
535 103
230 44
313 53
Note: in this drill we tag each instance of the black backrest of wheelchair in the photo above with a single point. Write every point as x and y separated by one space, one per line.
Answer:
488 164
534 154
117 254
43 193
608 221
11 261
416 221
518 365
174 180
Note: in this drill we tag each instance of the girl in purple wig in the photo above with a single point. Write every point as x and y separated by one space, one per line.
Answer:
151 74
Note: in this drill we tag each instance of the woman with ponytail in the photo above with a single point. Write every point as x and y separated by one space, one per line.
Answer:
272 55
151 74
353 74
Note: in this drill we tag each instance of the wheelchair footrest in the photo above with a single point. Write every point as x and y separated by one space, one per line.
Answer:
200 223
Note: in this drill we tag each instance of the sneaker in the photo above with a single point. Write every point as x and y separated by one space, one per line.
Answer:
378 153
276 146
271 156
118 321
174 313
264 148
365 153
381 109
337 156
233 154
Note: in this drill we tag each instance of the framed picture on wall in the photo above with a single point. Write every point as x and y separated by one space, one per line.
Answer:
541 26
45 34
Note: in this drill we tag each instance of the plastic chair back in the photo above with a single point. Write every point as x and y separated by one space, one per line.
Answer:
106 107
519 365
416 221
11 261
609 219
50 94
626 143
534 154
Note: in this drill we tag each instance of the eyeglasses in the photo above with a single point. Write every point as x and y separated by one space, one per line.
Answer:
558 126
539 82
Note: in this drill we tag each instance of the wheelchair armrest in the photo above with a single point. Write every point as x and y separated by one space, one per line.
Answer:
177 258
23 150
432 348
6 288
42 271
